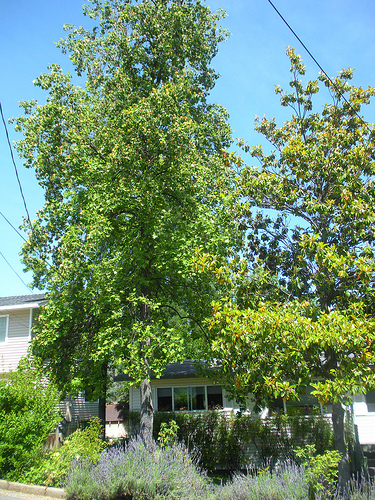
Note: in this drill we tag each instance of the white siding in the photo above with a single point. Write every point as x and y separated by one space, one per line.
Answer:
17 340
79 409
366 428
364 418
11 352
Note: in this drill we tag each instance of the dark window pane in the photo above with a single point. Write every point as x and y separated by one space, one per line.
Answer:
165 399
197 398
214 397
3 328
181 399
370 400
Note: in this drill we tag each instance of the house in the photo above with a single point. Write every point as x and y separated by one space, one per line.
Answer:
183 388
17 315
116 421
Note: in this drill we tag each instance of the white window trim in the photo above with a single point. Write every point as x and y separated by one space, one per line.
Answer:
6 327
30 322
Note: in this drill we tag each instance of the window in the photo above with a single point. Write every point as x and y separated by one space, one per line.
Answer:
214 397
370 401
189 398
165 400
181 399
197 398
34 319
3 328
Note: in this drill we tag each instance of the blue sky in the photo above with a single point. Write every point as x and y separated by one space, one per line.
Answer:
339 33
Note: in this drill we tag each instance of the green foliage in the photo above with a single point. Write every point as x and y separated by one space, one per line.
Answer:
28 414
83 444
137 180
321 469
279 350
321 172
300 311
223 442
168 433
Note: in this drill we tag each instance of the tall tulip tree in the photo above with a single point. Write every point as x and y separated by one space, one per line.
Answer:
136 181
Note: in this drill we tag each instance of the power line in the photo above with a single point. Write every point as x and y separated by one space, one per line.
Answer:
15 272
14 163
316 62
11 225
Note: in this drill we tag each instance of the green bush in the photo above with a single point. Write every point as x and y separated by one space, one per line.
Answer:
223 441
167 433
28 413
321 470
83 444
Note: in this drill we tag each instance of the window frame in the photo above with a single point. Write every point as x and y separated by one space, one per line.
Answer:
6 316
34 313
189 391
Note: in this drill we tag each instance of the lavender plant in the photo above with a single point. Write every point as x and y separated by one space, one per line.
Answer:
160 473
170 473
287 482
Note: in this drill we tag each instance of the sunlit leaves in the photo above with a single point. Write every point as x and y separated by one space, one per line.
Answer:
279 350
320 180
135 180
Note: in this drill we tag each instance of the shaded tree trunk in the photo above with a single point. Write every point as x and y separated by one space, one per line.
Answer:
340 444
103 398
147 409
147 414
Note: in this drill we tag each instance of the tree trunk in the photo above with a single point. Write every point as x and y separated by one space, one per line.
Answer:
147 414
103 398
340 445
147 410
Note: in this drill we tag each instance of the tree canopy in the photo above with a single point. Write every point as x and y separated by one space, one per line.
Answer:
300 311
318 180
136 182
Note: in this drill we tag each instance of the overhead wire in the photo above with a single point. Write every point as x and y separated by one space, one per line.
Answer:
341 96
11 225
15 272
22 195
14 163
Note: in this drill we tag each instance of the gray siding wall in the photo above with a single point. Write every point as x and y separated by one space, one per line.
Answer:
77 409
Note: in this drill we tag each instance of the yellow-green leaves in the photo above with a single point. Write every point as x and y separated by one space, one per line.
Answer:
135 180
278 350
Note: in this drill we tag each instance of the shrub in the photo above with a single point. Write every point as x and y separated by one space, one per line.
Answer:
168 433
28 413
223 441
321 470
164 472
85 444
